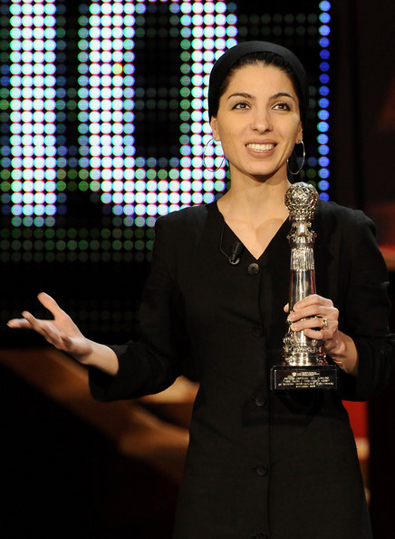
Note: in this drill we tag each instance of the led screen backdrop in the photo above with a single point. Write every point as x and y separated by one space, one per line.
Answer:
103 129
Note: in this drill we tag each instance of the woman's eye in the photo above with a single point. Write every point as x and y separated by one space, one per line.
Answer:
241 105
282 106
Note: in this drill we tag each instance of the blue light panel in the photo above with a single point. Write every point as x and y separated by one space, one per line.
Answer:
42 167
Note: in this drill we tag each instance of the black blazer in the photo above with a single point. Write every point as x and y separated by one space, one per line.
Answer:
260 463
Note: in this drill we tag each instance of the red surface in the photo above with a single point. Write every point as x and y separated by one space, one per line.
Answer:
358 412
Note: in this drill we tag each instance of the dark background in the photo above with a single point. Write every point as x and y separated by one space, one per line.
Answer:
363 135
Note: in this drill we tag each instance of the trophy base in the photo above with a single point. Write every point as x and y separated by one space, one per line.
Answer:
288 377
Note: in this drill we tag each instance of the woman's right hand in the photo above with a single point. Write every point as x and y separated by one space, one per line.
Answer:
62 332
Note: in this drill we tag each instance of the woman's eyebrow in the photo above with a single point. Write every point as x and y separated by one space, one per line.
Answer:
249 96
241 94
283 94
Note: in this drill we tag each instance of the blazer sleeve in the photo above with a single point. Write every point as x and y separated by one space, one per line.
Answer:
152 363
366 311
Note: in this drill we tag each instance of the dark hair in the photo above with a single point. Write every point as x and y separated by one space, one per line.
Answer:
252 52
255 52
256 58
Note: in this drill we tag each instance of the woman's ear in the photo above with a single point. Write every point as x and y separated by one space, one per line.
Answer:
299 136
214 128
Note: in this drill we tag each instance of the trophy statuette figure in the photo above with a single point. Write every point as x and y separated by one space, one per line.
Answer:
305 364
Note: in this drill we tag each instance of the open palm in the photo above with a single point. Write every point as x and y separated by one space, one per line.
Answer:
61 332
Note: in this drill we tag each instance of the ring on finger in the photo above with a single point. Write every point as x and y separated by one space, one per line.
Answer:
324 322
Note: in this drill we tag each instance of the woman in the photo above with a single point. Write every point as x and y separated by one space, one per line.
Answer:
260 463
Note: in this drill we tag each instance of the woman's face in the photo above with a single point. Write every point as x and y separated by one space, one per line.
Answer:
258 122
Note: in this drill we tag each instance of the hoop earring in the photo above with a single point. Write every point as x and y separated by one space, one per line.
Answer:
303 161
211 141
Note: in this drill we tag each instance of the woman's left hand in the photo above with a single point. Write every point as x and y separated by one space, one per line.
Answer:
318 318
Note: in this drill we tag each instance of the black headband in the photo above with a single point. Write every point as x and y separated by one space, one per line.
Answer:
225 63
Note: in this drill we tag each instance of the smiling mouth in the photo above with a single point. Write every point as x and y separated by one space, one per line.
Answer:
260 147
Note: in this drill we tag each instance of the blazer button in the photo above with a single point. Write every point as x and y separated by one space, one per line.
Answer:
261 470
260 401
253 268
257 331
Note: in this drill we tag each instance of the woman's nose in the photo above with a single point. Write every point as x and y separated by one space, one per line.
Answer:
261 121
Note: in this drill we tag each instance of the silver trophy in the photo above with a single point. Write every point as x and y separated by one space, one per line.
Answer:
305 364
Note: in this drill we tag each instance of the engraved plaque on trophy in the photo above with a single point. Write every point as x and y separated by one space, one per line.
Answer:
304 360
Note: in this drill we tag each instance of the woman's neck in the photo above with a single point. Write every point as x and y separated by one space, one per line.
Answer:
255 214
255 202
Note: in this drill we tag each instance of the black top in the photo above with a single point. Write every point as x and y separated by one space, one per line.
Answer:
260 463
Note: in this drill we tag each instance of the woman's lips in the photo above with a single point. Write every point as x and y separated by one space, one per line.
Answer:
258 147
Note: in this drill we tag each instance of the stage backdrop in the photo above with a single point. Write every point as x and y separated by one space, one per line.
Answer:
103 128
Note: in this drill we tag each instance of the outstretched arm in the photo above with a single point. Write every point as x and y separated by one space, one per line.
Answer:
63 333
